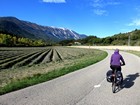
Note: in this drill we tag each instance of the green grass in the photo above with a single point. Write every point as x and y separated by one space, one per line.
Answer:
135 52
38 78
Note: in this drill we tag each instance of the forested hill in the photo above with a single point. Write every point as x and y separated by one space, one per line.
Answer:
131 38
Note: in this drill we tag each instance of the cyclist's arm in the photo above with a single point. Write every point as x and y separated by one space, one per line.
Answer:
111 59
123 62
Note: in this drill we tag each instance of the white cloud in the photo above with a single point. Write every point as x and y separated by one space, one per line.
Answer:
99 6
54 1
135 22
100 12
97 3
113 3
137 9
104 3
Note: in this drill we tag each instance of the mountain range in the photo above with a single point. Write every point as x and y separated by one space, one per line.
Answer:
26 29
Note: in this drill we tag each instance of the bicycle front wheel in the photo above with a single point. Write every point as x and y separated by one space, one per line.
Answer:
113 87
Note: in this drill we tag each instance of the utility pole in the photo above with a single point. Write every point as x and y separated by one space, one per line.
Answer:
129 38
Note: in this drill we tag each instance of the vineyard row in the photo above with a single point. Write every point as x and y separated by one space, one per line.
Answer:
30 58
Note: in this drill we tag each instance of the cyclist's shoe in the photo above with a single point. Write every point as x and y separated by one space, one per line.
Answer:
121 81
118 81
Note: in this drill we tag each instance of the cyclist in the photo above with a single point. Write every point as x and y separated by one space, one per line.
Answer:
116 61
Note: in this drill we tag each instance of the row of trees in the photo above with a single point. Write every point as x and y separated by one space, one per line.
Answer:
8 40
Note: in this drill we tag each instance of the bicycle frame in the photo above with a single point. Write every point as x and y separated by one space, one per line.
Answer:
114 84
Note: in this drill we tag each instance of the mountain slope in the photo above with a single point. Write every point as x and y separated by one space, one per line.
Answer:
12 25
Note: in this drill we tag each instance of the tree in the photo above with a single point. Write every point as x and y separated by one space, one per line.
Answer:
8 40
108 40
5 39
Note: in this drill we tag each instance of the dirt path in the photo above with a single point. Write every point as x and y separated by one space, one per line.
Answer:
136 48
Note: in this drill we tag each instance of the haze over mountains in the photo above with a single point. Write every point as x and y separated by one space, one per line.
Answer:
20 28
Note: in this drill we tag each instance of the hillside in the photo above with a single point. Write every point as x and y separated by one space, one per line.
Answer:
20 28
130 38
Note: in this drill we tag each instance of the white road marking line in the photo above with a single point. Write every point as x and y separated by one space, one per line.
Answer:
99 85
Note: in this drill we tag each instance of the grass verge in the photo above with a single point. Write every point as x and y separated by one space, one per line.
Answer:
39 78
135 52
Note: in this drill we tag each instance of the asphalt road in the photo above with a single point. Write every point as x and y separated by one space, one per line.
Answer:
87 86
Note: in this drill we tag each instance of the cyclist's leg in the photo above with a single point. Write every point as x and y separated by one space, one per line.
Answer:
113 69
119 69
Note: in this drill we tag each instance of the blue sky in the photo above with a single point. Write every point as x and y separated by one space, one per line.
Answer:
91 17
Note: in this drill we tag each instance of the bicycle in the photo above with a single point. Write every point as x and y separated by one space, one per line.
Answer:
116 83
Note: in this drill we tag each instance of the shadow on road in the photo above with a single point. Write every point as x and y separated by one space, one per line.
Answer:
129 80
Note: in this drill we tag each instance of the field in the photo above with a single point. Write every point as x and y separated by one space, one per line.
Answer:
18 57
19 63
